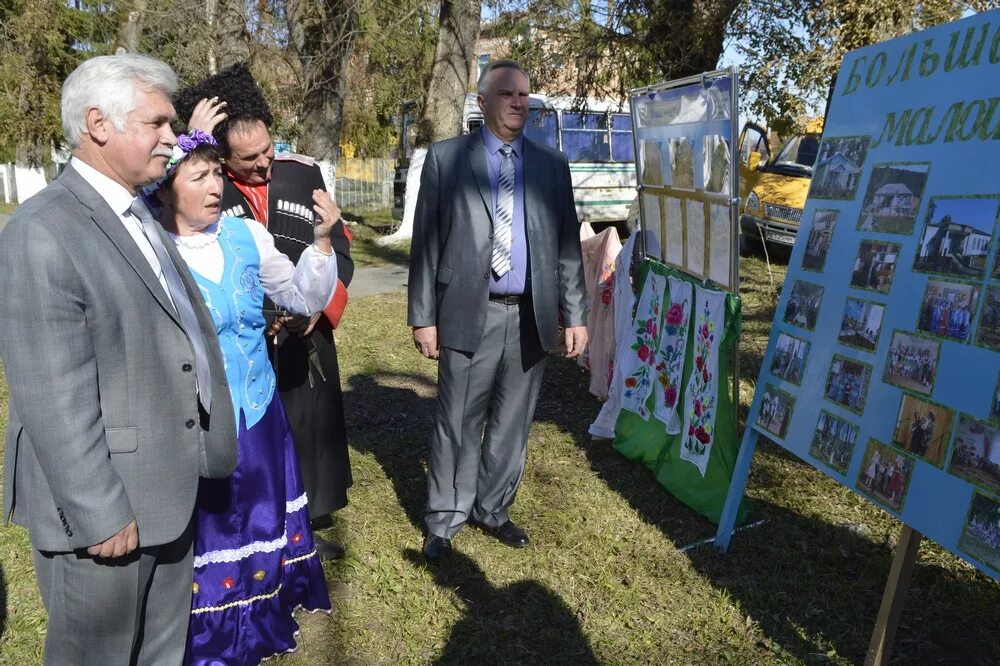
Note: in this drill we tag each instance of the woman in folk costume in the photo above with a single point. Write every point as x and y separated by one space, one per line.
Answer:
255 561
276 191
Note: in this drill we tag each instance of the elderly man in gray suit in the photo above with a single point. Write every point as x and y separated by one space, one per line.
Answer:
495 261
118 395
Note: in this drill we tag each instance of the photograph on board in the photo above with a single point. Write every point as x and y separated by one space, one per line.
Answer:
861 324
947 309
988 330
775 411
976 454
682 163
956 237
875 265
893 198
833 442
789 360
715 148
885 474
980 539
995 404
652 163
923 428
838 168
802 308
912 362
820 237
847 383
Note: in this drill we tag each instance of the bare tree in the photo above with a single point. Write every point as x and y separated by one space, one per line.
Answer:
322 34
458 31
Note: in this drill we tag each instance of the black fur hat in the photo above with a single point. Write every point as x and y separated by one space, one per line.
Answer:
234 85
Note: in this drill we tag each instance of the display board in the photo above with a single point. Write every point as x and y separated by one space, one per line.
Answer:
883 364
685 142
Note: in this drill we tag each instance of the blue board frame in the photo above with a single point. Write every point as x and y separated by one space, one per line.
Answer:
928 106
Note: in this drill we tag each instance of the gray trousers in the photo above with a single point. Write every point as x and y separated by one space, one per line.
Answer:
130 610
472 473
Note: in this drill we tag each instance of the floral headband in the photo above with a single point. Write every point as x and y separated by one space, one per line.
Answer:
186 144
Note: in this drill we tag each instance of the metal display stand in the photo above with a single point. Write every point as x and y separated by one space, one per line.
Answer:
697 131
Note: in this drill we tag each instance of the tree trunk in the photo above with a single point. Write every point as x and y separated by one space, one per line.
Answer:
456 51
322 34
131 29
687 37
232 41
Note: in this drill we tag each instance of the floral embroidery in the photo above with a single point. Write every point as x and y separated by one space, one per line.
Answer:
673 345
701 400
646 329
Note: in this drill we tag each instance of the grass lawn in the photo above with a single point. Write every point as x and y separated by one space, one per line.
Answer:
7 208
366 228
603 581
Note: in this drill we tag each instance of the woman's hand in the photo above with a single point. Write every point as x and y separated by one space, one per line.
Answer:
207 114
329 214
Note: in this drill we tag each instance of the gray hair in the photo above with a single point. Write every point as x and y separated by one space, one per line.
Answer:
109 83
494 65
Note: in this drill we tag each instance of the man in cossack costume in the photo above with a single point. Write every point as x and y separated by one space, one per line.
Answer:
277 191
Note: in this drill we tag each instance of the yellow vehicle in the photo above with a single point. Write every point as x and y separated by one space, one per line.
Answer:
773 190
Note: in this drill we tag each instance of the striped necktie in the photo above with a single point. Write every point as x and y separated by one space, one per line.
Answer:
503 222
179 295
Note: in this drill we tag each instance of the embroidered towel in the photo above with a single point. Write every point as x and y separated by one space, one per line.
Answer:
702 394
670 354
637 366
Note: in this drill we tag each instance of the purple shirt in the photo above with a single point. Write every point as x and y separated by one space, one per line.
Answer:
515 281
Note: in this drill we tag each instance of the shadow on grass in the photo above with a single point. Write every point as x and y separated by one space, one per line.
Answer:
525 622
393 424
813 587
3 602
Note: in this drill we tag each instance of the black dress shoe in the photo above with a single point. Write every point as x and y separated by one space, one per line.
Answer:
436 548
327 550
508 534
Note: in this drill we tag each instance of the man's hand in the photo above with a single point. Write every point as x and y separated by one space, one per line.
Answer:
426 340
301 325
328 213
119 545
576 341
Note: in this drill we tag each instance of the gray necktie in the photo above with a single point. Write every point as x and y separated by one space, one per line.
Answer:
503 221
189 321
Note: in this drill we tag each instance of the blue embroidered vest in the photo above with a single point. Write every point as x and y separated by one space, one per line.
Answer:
235 304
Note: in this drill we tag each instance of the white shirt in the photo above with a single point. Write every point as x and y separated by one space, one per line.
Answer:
303 289
120 199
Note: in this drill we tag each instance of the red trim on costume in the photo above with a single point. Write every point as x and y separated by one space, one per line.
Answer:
334 310
256 196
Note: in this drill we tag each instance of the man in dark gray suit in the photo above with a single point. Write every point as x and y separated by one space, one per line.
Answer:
495 262
118 395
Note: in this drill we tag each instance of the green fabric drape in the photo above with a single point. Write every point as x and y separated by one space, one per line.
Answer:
647 442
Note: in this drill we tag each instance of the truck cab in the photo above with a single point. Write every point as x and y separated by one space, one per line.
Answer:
773 189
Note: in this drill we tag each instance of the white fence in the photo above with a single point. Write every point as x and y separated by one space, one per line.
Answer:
360 184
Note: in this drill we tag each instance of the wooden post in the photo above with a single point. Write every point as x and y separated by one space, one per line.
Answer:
893 598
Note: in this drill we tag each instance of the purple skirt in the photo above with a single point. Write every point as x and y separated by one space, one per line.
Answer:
255 562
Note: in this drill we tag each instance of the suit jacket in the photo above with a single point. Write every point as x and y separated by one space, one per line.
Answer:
453 243
293 179
104 418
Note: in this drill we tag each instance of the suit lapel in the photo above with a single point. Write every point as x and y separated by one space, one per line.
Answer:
532 189
109 223
477 160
